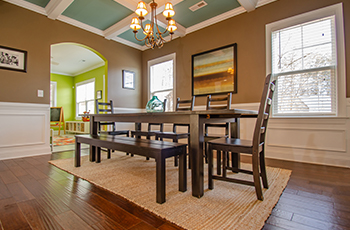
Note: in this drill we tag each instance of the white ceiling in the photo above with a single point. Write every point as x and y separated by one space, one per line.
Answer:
72 60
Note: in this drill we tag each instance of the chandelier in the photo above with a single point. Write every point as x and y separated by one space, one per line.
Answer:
153 36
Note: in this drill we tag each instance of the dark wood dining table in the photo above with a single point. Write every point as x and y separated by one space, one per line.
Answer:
196 120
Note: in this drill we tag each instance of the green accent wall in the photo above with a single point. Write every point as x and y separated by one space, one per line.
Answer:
65 94
66 89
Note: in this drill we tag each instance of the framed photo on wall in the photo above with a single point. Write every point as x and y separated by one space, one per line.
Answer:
215 71
13 59
128 79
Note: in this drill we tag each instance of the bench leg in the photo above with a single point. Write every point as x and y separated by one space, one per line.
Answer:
160 181
183 171
109 154
98 154
77 154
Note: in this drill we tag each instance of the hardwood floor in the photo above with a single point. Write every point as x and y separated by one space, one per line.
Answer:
37 195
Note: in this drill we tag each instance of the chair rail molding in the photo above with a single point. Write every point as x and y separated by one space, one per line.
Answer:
24 129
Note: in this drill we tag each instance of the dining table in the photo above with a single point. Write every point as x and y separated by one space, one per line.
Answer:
196 120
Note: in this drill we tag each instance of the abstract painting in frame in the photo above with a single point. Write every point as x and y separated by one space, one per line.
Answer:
13 59
215 71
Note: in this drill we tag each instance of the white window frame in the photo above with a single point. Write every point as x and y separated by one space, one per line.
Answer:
76 104
152 62
54 92
334 10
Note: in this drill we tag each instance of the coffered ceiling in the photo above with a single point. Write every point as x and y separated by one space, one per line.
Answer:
111 18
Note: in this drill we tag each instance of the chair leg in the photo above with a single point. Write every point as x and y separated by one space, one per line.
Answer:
224 162
256 176
205 152
218 162
189 153
263 168
210 167
176 158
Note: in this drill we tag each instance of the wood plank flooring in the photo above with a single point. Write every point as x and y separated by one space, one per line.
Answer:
37 195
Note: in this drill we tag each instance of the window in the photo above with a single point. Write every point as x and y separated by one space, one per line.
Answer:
162 78
53 94
304 61
85 97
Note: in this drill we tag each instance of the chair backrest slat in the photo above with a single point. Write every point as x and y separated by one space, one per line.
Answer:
105 107
185 105
226 99
264 112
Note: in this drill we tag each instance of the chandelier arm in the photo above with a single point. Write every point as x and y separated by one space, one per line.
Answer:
140 40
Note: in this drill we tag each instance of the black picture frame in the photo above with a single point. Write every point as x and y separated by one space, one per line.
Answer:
215 71
128 79
13 59
99 94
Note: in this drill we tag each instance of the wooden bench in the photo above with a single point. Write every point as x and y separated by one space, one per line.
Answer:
159 150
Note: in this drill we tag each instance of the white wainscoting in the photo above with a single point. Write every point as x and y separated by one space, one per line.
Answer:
24 130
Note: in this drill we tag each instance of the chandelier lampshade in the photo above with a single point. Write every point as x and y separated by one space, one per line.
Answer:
154 37
141 10
135 24
168 10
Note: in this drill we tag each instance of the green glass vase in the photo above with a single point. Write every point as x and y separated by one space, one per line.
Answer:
154 105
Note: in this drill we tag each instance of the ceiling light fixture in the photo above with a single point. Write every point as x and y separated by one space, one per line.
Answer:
154 36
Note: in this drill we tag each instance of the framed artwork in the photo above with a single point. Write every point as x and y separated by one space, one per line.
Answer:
128 79
99 94
215 71
13 59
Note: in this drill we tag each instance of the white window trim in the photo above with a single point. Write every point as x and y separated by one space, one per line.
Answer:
337 11
75 99
159 60
54 91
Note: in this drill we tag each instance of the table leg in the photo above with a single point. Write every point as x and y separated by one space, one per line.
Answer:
196 151
77 154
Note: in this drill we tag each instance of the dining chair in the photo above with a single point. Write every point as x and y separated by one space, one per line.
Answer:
254 148
107 107
181 105
152 128
219 102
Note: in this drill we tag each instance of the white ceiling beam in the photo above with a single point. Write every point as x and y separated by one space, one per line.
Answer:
118 28
56 7
248 5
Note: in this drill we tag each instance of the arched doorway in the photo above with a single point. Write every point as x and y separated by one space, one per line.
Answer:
78 76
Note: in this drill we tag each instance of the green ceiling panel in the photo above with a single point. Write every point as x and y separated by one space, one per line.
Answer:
97 13
187 18
41 3
129 34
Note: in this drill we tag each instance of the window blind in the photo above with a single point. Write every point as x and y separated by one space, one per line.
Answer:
304 64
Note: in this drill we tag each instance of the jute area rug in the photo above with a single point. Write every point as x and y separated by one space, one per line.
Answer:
227 206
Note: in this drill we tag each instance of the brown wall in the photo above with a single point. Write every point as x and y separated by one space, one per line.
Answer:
33 32
248 31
